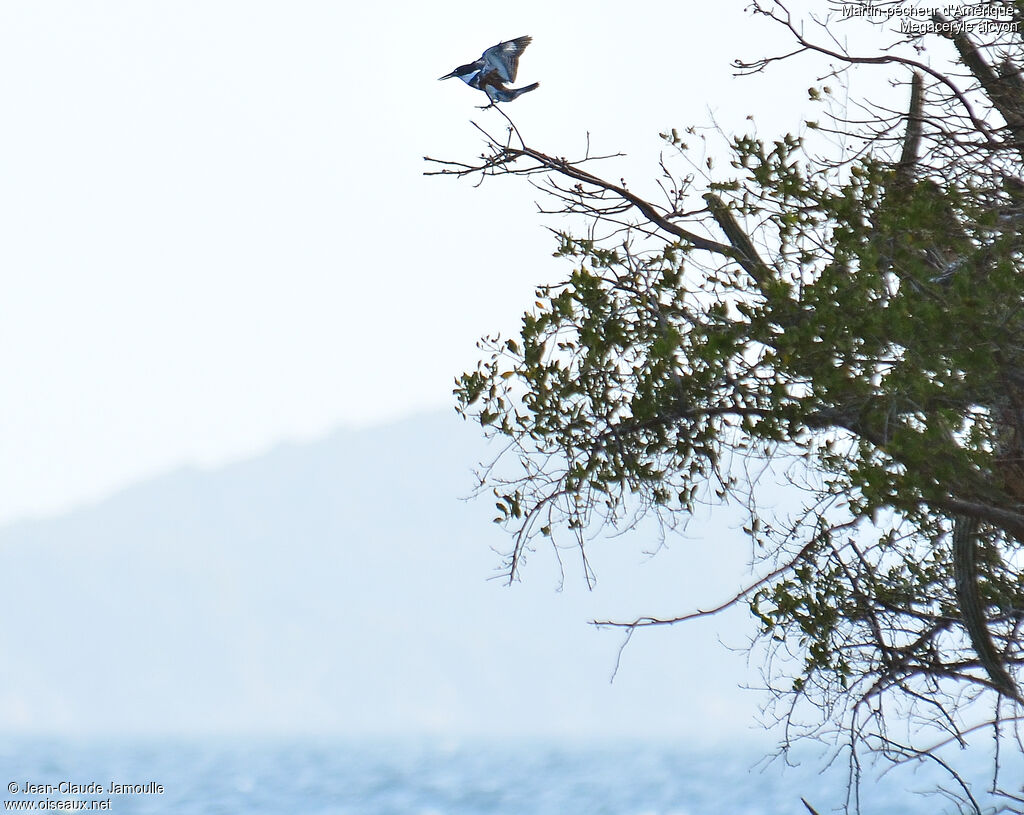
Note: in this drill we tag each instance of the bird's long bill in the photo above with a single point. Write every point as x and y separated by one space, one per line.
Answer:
446 76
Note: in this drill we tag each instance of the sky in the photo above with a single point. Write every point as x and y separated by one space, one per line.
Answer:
216 238
215 233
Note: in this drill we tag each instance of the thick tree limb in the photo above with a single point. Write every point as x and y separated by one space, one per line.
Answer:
965 576
1004 94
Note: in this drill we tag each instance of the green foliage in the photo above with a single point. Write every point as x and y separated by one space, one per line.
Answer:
865 316
632 381
636 372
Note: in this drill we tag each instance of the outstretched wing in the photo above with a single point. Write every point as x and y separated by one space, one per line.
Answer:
504 57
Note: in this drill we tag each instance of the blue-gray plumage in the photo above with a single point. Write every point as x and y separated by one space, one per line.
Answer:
497 65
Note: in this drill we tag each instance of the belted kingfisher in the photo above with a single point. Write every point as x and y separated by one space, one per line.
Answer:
496 66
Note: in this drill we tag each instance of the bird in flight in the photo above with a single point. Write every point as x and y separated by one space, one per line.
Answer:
496 66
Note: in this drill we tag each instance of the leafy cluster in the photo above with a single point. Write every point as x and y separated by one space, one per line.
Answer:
865 316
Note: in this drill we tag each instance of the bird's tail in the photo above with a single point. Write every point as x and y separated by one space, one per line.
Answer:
516 92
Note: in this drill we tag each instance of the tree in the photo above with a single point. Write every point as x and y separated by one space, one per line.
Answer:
864 314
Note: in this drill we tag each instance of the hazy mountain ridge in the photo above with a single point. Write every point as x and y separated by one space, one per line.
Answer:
342 586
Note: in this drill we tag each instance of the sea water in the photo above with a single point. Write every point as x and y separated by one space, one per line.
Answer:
427 777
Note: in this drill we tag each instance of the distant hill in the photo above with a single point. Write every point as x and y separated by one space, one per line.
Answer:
342 586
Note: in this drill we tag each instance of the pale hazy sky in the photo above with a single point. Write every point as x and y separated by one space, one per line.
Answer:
215 234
